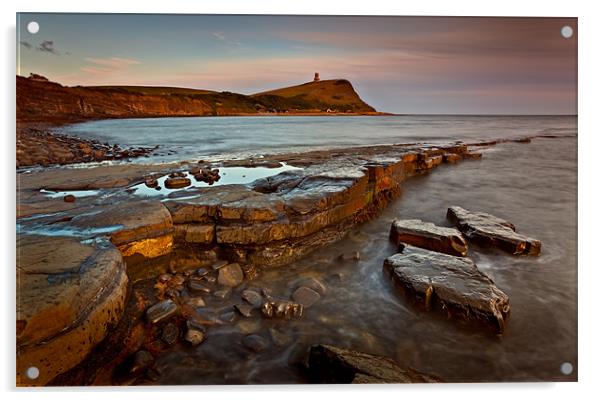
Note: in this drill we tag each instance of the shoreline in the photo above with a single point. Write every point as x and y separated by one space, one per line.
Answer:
267 223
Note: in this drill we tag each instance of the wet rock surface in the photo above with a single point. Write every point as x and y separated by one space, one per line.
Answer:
448 284
428 236
282 310
488 230
330 364
69 295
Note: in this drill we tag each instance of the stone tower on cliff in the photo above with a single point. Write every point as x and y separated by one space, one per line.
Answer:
317 77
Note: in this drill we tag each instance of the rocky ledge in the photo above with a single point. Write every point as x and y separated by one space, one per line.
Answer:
488 230
428 236
69 294
269 222
330 364
449 284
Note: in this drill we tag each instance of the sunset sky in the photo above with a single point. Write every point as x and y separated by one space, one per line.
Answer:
396 64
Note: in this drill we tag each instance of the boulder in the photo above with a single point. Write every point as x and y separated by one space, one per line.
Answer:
330 364
69 295
177 182
231 275
428 236
488 230
453 285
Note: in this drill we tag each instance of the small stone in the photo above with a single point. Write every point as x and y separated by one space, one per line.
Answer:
210 279
222 294
161 311
244 309
353 256
170 334
196 302
195 325
164 278
280 339
150 182
197 286
313 284
251 297
69 198
219 264
228 317
254 342
202 272
306 296
176 280
194 336
282 309
142 360
231 275
172 293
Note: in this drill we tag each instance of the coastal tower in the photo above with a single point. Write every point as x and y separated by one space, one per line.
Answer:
317 77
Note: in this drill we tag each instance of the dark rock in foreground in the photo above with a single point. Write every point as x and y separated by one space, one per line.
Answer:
450 284
428 236
329 364
488 230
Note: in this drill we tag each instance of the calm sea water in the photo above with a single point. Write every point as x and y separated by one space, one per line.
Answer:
533 185
193 138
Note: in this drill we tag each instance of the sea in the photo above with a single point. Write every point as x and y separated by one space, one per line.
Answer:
533 185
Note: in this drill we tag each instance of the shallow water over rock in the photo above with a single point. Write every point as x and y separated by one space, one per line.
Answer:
532 185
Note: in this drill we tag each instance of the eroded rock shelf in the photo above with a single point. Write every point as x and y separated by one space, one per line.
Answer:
267 223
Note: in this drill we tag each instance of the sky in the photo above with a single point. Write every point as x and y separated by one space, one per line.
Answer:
411 65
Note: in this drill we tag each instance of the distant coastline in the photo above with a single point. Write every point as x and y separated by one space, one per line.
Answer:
42 101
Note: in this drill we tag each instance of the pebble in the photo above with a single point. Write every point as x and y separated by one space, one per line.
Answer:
142 360
194 336
197 286
223 294
252 297
244 309
313 284
353 256
306 296
228 317
219 264
170 334
231 275
69 198
196 302
202 272
161 311
163 278
254 342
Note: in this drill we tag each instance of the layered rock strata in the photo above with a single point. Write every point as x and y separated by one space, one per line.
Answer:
69 294
488 230
330 364
449 284
428 236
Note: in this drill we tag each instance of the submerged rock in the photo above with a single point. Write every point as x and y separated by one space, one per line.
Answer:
161 311
305 296
194 336
244 309
488 230
428 236
170 334
251 297
449 284
254 342
231 275
282 310
330 364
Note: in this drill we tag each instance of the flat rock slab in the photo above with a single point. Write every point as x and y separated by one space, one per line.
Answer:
428 236
450 284
330 364
69 294
488 230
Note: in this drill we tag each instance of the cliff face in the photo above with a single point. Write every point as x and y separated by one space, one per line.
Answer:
49 102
